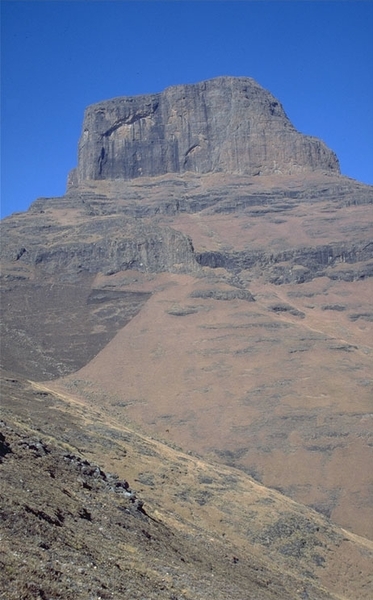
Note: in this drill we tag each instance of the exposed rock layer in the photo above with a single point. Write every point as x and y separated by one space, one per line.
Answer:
156 224
226 124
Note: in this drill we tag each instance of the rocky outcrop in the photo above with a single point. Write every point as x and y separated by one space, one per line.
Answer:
228 124
96 245
297 265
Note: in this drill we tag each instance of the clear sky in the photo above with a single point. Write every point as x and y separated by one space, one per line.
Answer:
316 57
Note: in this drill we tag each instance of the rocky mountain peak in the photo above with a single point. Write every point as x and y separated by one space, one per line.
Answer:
227 124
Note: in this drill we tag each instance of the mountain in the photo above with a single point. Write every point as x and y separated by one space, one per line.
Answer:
203 289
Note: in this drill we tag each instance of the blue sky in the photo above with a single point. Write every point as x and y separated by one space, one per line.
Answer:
57 57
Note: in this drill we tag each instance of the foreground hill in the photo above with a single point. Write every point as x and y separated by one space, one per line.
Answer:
192 529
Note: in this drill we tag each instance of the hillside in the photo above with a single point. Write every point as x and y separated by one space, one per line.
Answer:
72 524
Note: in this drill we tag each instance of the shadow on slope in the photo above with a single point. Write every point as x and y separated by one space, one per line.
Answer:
51 329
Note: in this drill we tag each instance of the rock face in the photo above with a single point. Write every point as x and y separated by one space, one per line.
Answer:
97 245
228 124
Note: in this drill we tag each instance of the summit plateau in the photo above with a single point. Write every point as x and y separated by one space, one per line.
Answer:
195 313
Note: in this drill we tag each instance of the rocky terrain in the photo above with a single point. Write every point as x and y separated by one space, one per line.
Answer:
204 286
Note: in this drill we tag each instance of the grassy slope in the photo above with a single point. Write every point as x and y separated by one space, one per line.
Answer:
204 531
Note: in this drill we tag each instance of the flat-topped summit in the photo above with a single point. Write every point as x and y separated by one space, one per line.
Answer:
227 124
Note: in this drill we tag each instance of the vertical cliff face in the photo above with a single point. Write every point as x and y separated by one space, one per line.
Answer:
226 124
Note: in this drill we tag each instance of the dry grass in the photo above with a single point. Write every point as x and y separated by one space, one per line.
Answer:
204 531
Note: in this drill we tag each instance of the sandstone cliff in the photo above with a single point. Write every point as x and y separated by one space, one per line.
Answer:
228 124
